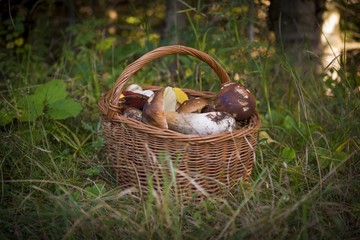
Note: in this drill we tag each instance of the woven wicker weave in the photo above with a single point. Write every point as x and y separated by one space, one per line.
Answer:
197 165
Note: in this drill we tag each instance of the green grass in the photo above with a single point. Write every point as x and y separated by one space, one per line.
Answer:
57 183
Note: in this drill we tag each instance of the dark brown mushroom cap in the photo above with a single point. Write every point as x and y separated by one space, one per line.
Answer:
131 99
235 99
208 108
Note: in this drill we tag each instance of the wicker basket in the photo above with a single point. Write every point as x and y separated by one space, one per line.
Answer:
143 155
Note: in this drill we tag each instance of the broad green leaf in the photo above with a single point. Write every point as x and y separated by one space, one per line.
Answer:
276 116
6 117
289 123
30 108
51 91
288 154
63 109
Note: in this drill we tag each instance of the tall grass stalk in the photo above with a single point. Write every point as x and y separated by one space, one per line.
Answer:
264 84
302 107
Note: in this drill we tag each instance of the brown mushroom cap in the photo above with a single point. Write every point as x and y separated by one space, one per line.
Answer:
193 105
131 99
153 111
133 113
237 100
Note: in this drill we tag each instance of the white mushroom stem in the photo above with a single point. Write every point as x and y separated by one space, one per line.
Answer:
200 123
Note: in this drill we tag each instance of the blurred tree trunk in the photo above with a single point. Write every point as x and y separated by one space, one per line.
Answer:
174 21
297 26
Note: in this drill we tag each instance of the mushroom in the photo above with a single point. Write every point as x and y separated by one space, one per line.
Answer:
153 112
134 88
164 100
138 89
133 113
192 105
200 123
235 99
132 99
147 93
208 108
169 99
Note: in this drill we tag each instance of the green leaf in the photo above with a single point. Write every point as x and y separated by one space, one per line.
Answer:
125 51
340 155
63 109
289 123
303 129
288 154
328 157
93 171
30 108
51 92
105 44
276 116
315 127
76 195
94 191
6 117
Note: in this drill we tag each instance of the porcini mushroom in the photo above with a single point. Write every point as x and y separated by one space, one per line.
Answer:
133 113
193 105
132 99
164 100
138 89
208 108
169 99
235 99
200 123
153 112
134 88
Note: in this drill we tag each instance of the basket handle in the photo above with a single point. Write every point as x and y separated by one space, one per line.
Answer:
154 54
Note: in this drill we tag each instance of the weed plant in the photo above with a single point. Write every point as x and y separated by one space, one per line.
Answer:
56 182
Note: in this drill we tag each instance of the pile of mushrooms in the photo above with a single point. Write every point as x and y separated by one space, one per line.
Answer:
171 108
